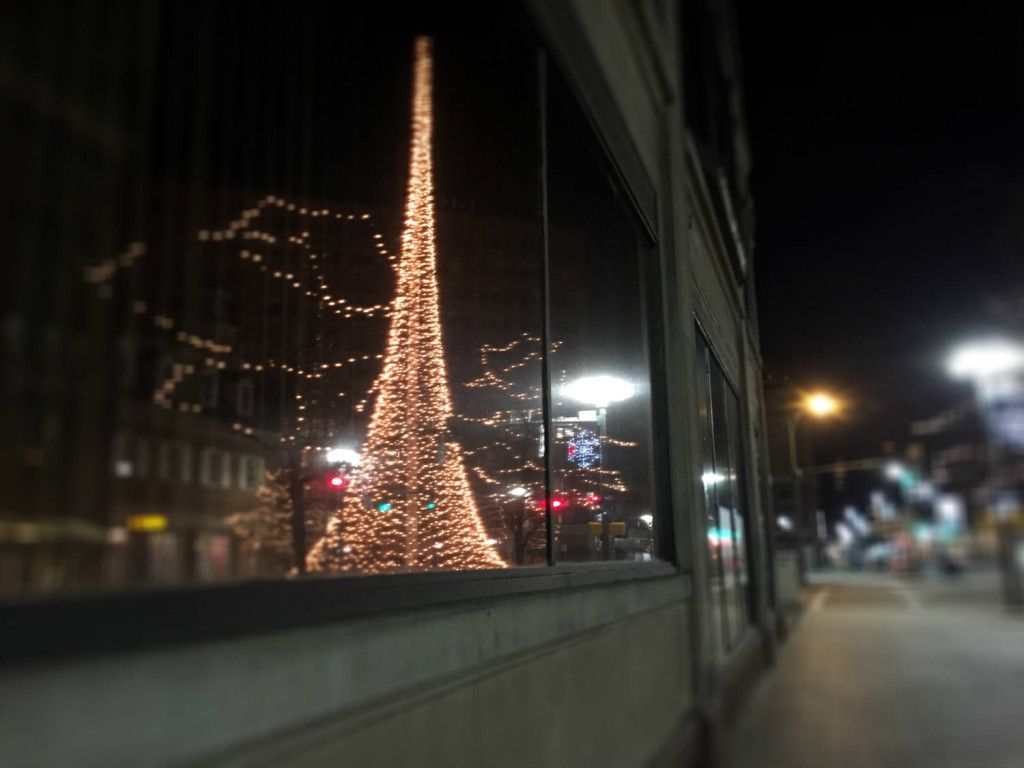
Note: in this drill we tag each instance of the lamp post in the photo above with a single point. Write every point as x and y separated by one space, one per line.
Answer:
995 369
819 405
600 392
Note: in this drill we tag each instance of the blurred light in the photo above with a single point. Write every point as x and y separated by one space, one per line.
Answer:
949 508
146 523
894 470
845 534
431 505
599 391
518 491
710 478
648 519
593 498
785 523
982 359
343 456
557 503
820 404
336 481
384 507
924 491
490 542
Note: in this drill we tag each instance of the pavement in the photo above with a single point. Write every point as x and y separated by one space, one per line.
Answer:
883 671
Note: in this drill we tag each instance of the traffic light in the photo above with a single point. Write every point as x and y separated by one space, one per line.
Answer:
336 481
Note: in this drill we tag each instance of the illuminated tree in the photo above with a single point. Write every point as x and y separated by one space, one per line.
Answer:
409 505
267 529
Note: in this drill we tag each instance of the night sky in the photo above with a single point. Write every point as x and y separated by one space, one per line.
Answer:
889 193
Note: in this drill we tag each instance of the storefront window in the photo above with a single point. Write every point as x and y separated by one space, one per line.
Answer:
725 509
603 504
277 303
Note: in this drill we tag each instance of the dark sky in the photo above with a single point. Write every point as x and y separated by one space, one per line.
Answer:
888 147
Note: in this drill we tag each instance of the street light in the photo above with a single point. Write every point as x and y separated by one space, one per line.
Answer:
343 456
599 391
981 361
819 405
995 367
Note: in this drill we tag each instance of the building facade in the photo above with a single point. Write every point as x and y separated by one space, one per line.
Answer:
402 375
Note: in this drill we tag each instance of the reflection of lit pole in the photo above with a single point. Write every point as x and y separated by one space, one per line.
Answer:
994 368
600 392
818 405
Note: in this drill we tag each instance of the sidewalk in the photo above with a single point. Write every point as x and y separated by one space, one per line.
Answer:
884 671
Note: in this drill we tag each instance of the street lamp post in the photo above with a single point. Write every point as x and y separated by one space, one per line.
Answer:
819 405
995 368
600 392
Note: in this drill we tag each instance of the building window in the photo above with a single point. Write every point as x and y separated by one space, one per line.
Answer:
175 461
724 505
215 468
244 397
251 472
131 455
210 389
601 395
312 250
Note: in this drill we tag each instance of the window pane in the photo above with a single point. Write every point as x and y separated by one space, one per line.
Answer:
725 487
602 502
710 480
291 254
741 543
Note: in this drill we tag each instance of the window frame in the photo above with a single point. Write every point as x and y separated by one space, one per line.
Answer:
144 617
731 637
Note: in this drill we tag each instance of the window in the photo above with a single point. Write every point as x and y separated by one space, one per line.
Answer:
215 469
131 456
210 389
251 471
243 245
244 397
603 505
175 463
724 506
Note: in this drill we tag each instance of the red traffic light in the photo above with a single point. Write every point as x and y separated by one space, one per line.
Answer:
336 481
593 498
557 503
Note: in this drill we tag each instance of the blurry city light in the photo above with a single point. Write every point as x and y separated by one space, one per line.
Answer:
983 359
518 491
894 470
949 508
336 481
593 498
343 456
820 404
648 519
557 503
923 491
598 391
845 534
785 523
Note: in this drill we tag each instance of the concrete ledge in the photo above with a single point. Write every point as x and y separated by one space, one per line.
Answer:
685 748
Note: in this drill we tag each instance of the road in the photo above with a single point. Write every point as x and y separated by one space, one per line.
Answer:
883 671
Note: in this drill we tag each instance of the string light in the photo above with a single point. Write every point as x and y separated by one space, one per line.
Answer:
410 506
